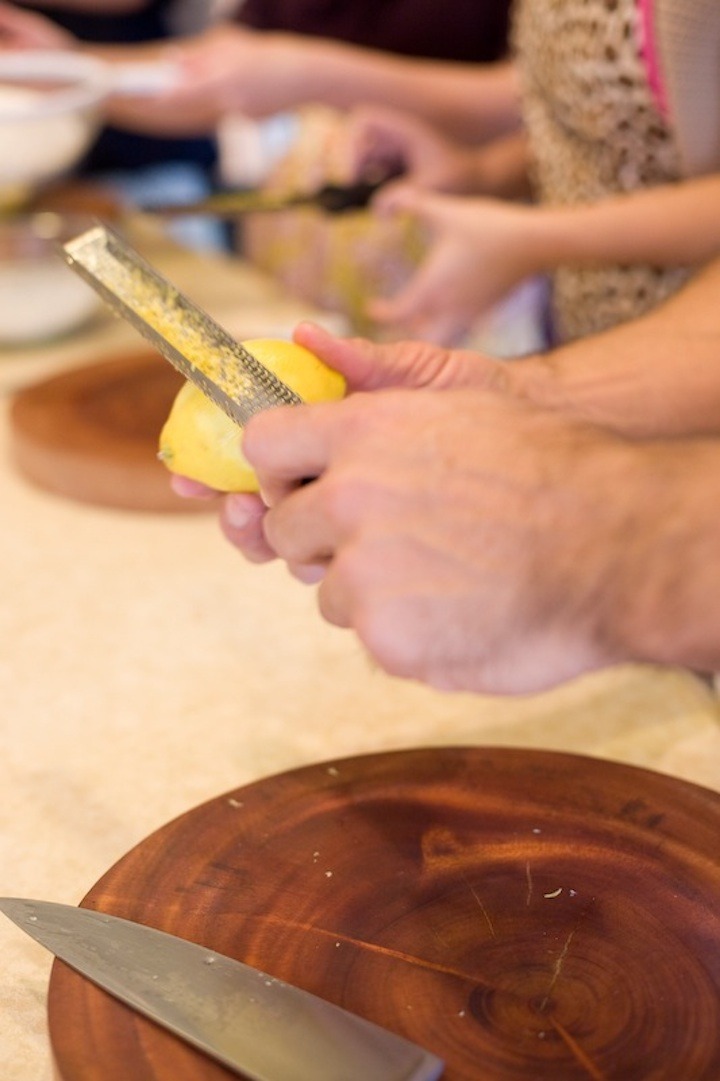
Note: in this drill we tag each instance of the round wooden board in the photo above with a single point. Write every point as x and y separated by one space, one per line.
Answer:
523 914
91 434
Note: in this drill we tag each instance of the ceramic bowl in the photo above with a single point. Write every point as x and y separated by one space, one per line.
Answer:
51 106
40 297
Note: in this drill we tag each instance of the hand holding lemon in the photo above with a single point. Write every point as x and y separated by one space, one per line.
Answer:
201 442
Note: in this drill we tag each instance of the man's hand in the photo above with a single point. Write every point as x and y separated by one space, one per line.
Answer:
448 524
476 540
468 538
366 366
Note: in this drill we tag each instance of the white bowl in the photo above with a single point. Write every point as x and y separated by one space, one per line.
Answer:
50 111
40 297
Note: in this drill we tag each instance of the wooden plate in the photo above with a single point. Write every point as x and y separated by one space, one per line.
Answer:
522 914
91 434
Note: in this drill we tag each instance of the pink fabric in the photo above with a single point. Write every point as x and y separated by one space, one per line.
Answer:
650 54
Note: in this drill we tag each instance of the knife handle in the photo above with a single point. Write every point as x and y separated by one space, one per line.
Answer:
337 198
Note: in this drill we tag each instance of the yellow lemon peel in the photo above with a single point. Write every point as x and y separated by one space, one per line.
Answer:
200 441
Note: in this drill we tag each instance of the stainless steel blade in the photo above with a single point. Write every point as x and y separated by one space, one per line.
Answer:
332 198
260 1026
181 331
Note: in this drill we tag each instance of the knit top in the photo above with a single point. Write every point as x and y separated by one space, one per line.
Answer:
620 95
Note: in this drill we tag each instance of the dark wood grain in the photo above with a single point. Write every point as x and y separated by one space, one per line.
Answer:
91 434
525 915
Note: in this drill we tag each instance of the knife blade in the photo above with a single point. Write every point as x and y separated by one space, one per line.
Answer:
332 198
202 350
257 1025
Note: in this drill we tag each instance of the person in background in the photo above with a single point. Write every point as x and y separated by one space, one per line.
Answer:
113 22
140 165
273 57
303 64
494 527
621 103
277 54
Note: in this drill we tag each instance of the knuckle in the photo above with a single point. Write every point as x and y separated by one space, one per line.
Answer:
384 631
345 498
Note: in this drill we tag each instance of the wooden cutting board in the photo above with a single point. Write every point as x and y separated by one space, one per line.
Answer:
91 434
523 914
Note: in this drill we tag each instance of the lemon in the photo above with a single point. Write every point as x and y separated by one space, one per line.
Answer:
200 441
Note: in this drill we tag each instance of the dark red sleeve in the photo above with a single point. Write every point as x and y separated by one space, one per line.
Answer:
467 30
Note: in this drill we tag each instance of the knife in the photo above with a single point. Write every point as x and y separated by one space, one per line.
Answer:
332 198
259 1026
182 332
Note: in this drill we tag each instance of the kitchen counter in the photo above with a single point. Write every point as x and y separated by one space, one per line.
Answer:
146 668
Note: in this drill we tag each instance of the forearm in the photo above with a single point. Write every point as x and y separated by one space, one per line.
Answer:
469 102
658 375
671 225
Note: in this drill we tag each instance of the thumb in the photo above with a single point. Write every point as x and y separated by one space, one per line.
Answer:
399 197
431 208
370 365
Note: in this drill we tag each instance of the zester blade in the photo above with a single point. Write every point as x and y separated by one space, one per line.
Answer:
180 330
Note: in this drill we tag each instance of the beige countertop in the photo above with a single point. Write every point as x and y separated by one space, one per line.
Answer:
146 668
